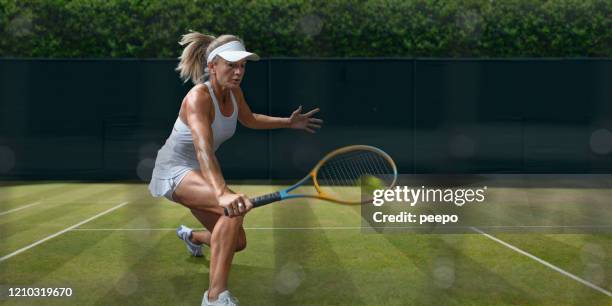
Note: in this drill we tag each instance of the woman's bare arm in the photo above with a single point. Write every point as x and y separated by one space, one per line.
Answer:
259 121
198 113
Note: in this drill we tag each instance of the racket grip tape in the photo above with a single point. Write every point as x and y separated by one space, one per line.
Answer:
261 200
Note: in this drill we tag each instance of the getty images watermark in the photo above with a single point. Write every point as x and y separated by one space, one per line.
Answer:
516 203
413 196
424 198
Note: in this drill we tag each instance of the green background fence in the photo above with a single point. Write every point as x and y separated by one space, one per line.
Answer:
106 119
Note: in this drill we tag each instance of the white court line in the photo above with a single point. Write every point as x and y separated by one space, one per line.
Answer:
18 208
61 232
572 276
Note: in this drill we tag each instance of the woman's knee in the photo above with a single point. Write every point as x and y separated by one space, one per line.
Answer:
225 224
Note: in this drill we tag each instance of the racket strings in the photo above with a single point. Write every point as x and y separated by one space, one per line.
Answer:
349 169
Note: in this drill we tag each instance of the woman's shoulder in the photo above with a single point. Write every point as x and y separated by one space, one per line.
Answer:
200 90
197 99
198 94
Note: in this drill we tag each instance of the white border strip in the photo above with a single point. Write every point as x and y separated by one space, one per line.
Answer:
18 208
61 232
127 229
572 276
351 228
246 228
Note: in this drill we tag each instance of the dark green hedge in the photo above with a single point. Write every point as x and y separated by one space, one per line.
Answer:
380 28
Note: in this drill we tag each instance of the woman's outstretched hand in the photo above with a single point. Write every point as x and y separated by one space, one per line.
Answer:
305 121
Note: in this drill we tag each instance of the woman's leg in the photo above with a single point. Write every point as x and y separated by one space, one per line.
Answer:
209 220
194 193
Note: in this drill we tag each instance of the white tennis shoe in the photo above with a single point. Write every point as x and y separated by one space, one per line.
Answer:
225 298
184 233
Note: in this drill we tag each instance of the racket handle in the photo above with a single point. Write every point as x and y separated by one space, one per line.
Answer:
261 200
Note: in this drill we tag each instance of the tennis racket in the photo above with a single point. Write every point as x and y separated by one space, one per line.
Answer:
339 176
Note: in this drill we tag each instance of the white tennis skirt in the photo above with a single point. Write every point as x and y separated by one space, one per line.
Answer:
166 186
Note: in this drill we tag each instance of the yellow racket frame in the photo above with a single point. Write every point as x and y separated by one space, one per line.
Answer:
313 173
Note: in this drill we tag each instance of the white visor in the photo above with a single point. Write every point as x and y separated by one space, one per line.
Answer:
233 51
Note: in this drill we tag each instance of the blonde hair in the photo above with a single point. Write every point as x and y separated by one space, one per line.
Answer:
192 65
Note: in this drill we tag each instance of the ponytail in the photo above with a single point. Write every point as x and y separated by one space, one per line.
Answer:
192 65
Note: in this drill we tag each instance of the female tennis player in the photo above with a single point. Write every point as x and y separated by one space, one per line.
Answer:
186 169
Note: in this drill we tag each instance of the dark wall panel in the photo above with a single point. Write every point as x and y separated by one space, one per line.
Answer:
459 126
361 102
510 115
106 119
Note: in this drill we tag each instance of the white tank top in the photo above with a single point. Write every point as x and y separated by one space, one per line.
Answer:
178 155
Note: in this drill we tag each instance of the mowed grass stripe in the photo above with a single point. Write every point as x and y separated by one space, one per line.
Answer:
59 253
586 240
147 213
309 255
545 286
586 266
566 256
24 228
447 273
47 196
157 271
403 263
104 194
573 253
60 232
145 267
68 194
19 208
551 206
383 272
563 206
453 275
457 275
8 202
95 265
31 191
78 198
136 267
